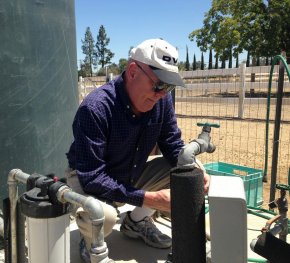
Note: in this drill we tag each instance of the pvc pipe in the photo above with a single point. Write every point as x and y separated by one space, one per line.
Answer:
96 213
1 224
64 194
14 176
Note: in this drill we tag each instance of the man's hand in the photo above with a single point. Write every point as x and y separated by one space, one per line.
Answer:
159 200
206 177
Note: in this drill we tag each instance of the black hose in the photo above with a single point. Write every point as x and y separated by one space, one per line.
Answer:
277 131
272 248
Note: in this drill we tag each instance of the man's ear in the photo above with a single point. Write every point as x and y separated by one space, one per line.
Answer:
132 70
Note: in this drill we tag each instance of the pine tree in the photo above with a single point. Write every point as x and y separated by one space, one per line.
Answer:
216 65
223 65
194 63
237 61
231 59
89 50
210 59
187 66
103 54
248 59
202 62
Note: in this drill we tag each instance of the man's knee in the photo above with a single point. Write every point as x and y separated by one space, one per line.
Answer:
84 221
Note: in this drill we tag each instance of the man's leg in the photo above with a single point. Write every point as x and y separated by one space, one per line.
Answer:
83 219
138 223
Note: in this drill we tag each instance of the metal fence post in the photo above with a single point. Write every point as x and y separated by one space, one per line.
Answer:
242 90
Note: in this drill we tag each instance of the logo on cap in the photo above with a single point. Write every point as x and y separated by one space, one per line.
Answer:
168 59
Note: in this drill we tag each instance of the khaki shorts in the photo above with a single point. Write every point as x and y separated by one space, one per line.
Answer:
155 176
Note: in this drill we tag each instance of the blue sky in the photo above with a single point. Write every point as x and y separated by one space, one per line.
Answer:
129 22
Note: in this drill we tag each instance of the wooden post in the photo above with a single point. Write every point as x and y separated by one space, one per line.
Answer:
242 90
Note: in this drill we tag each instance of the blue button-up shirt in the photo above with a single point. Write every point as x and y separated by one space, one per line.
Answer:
111 144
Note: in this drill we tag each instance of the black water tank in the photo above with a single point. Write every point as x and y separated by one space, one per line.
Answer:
38 85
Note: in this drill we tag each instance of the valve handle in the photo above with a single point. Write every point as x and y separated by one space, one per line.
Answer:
283 187
214 125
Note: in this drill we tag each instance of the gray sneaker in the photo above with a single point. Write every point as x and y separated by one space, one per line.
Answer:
146 230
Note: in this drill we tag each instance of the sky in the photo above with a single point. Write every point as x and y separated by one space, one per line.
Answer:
130 22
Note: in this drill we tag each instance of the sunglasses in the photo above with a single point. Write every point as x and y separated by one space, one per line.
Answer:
160 86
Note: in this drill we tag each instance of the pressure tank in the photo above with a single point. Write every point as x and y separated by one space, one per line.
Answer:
38 85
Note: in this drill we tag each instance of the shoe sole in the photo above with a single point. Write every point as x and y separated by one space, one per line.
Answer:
131 234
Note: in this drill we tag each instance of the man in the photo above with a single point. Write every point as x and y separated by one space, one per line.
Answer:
115 129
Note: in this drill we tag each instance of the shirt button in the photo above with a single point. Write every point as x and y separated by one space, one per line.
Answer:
133 115
135 165
128 107
137 149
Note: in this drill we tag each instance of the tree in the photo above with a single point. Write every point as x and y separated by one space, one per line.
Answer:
223 65
122 64
103 54
210 59
231 60
187 66
248 59
194 67
237 61
89 50
85 70
216 65
181 66
202 62
258 26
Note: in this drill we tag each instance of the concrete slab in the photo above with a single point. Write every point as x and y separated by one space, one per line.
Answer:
124 249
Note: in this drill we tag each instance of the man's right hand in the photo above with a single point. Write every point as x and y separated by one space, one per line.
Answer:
159 200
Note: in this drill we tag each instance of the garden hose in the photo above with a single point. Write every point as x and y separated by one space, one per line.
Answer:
275 60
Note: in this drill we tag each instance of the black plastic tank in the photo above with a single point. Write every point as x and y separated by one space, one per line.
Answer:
38 85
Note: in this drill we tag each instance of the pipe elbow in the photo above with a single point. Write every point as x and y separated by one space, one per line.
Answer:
12 176
94 208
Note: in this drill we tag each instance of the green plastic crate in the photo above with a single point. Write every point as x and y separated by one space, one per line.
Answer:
253 179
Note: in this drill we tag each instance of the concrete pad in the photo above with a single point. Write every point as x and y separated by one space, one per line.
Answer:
124 249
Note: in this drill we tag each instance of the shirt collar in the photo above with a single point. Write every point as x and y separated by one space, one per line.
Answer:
125 100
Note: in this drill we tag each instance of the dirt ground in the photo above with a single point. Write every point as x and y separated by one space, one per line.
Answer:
239 141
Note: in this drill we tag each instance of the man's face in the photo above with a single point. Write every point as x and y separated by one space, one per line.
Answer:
141 92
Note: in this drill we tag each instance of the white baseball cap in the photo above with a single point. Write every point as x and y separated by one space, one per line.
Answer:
162 59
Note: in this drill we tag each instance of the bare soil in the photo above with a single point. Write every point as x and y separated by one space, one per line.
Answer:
239 141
